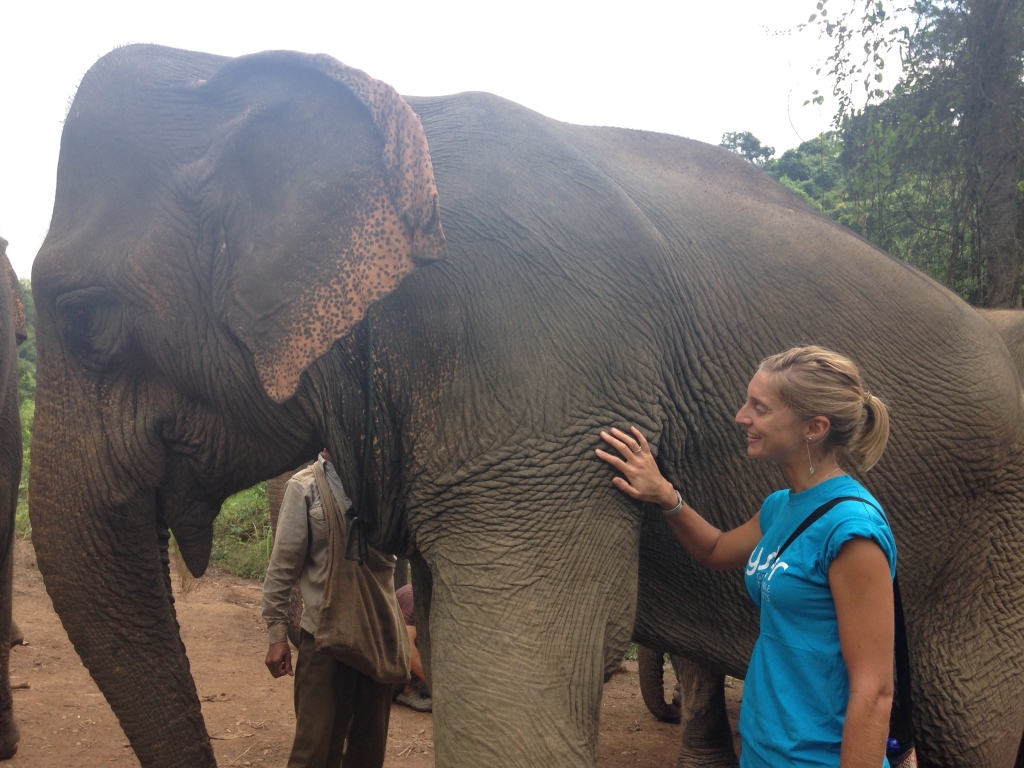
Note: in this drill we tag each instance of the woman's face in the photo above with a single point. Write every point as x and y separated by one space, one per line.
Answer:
773 431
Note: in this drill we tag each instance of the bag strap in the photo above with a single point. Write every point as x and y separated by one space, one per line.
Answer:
812 518
903 726
360 515
332 510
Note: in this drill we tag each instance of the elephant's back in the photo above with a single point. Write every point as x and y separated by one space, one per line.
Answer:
699 243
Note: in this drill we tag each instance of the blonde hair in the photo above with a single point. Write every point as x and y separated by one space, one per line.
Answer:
814 381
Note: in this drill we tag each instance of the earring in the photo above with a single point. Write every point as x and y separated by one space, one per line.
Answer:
809 462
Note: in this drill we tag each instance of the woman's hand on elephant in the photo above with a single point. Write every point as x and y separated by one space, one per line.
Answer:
641 478
279 659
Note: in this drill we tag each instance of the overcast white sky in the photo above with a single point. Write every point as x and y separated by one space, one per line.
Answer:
695 69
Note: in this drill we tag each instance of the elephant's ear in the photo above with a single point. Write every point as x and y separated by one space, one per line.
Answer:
408 171
349 212
17 302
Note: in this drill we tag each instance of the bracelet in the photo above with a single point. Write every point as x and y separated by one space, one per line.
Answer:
676 509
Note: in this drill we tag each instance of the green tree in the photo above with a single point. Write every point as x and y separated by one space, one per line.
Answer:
935 159
748 146
27 350
812 171
26 401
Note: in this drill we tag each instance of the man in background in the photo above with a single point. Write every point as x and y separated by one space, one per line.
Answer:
341 715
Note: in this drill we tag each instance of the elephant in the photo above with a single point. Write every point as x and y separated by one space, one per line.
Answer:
253 258
12 332
706 739
651 673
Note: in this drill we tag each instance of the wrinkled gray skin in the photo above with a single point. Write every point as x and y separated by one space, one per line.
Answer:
12 332
651 673
1009 323
595 276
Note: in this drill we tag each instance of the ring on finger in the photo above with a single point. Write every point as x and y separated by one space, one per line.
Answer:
639 450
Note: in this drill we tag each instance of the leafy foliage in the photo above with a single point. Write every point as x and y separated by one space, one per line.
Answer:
27 350
935 160
26 406
748 146
814 173
242 537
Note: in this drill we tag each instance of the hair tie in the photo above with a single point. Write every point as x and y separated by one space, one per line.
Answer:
867 398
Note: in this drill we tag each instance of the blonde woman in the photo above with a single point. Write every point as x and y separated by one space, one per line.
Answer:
819 685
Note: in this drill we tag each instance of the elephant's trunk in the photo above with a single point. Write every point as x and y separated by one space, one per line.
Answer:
101 548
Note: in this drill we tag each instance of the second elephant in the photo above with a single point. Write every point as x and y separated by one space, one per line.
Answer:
706 736
12 332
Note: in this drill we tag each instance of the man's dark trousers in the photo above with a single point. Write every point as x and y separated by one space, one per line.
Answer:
341 715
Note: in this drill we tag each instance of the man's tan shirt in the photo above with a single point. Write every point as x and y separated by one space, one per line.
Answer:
300 552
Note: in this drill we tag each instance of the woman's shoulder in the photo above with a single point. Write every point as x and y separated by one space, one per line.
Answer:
857 501
776 498
861 517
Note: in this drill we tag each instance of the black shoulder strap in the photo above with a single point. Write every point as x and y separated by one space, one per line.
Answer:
817 515
902 725
360 514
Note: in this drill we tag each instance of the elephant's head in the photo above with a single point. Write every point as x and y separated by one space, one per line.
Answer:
218 225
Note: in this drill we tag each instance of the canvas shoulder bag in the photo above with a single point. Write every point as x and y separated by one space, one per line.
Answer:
360 621
900 746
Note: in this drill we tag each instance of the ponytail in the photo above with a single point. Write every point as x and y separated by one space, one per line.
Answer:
814 381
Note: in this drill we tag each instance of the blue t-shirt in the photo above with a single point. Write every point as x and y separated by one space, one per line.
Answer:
797 685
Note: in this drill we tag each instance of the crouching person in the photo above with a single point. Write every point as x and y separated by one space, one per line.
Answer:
353 646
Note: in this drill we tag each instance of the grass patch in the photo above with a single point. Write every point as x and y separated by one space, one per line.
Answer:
630 653
242 539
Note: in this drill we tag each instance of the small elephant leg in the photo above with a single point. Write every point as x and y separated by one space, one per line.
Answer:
651 664
706 733
422 592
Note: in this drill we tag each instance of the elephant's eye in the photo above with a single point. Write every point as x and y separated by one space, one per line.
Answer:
90 322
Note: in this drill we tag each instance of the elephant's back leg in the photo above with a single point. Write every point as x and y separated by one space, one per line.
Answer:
706 736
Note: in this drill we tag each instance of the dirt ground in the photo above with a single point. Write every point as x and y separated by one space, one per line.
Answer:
65 720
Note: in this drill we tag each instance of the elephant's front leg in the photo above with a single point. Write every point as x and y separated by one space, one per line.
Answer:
523 636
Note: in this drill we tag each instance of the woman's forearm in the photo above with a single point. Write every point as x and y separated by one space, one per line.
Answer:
709 546
698 537
866 729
